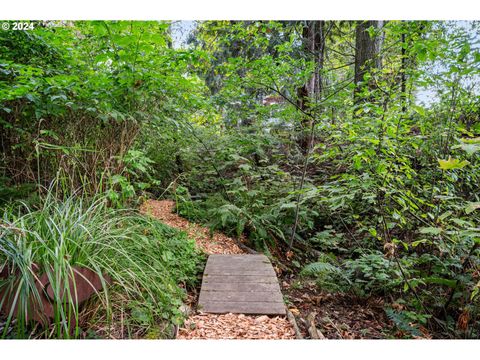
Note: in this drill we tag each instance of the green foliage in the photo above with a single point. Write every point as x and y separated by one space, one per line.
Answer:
135 179
75 96
146 260
328 274
452 164
328 240
251 195
372 273
403 321
368 274
10 193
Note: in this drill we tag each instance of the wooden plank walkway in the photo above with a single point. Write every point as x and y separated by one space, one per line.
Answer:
245 284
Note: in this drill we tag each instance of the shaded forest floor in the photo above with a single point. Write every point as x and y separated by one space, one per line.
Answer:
337 316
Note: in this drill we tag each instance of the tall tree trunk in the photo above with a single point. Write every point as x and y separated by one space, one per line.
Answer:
367 54
313 34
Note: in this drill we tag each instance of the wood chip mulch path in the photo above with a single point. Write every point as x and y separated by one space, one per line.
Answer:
214 326
164 210
235 326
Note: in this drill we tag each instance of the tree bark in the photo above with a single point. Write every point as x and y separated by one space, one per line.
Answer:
313 36
367 54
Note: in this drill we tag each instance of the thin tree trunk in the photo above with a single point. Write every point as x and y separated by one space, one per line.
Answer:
403 79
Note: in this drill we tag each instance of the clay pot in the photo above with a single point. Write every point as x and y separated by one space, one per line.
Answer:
83 283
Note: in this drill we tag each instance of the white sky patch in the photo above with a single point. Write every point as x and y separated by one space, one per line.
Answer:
428 95
180 31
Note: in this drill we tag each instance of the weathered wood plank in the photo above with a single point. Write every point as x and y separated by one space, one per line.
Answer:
232 272
240 270
255 279
260 264
239 258
239 262
244 308
240 284
241 296
243 287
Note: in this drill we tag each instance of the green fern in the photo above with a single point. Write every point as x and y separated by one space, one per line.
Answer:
320 268
402 322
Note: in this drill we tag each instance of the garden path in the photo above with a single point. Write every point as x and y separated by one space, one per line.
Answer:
227 323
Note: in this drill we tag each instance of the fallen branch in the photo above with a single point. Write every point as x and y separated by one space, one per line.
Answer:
335 327
292 320
244 247
312 329
175 330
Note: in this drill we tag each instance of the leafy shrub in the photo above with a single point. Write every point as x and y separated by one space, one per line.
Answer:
372 273
135 178
9 193
328 275
328 240
249 193
406 321
368 274
183 202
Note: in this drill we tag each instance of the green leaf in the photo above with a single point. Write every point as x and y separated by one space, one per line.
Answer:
140 315
440 281
55 97
445 215
475 140
245 167
419 109
471 207
475 291
452 164
430 230
422 53
470 149
289 205
418 242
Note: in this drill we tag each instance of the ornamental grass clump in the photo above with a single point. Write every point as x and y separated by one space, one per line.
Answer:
146 263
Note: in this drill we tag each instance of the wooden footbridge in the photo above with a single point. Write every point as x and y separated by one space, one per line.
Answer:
245 284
